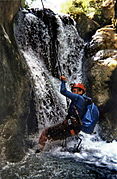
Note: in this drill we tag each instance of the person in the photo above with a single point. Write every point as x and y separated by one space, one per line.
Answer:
72 124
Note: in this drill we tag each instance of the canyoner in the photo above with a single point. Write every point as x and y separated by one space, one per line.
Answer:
83 115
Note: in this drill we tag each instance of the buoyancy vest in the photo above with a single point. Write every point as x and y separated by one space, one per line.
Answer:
90 118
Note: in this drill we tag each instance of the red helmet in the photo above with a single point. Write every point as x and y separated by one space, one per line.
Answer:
78 85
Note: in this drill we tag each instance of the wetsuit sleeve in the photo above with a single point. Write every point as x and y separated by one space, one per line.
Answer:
66 93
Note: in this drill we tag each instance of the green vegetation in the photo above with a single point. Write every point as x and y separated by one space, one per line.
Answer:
91 8
25 3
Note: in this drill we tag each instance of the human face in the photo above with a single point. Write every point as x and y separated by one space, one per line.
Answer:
77 91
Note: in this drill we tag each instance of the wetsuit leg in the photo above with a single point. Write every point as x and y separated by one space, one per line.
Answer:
59 132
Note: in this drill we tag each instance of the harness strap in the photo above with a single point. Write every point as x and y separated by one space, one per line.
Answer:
77 115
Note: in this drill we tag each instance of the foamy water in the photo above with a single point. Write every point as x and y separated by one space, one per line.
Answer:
93 151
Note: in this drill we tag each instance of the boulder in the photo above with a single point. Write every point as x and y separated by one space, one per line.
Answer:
86 26
104 38
102 54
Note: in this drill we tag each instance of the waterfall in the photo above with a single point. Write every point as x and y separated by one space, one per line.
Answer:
51 45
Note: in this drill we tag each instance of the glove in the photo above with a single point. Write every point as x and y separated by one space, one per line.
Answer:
63 78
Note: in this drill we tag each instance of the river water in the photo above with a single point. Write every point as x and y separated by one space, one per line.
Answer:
95 160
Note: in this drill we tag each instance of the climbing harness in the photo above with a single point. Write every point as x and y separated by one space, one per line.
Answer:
76 147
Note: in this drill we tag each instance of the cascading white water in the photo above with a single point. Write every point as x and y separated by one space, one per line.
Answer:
69 53
70 49
93 150
36 43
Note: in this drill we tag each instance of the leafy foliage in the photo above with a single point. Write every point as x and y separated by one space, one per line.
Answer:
88 7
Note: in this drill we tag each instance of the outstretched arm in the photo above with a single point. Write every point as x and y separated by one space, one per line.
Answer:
67 93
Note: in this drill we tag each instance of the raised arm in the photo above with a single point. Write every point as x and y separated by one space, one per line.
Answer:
66 93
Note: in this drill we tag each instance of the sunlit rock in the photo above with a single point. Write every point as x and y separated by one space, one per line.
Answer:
102 78
108 9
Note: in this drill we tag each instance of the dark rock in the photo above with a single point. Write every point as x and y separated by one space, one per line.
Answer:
86 26
14 88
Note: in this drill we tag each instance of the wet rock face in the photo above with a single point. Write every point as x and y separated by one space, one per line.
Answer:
14 88
102 78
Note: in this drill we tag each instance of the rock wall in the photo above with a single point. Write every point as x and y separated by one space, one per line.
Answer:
102 60
86 26
14 87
